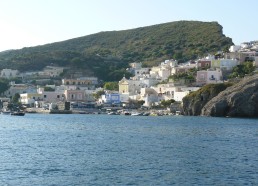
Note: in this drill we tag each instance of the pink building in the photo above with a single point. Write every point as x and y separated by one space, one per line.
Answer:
74 95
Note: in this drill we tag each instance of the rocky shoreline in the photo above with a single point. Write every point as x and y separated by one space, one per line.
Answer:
238 100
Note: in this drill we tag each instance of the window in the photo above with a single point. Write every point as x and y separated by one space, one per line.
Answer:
58 96
201 76
45 96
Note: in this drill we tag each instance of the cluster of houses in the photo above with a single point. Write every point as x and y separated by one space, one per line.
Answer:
149 85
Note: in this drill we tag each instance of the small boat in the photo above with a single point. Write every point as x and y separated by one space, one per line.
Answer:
146 114
112 113
136 114
178 113
17 113
6 112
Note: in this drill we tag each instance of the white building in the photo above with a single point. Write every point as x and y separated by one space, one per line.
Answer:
234 48
51 96
19 89
30 98
9 73
51 71
209 76
224 64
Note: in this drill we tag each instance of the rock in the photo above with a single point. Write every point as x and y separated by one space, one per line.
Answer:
239 100
194 102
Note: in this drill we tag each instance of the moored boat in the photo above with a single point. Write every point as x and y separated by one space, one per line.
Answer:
17 113
5 112
136 114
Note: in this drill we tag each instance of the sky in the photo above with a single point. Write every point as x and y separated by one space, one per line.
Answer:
26 23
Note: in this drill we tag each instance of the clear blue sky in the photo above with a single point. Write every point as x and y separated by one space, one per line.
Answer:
25 23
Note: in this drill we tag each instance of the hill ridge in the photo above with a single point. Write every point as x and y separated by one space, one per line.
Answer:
181 40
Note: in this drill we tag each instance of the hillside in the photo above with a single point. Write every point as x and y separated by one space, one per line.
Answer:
182 40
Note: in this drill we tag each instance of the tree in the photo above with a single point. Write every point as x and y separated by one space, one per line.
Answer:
16 98
98 94
49 89
111 86
167 103
3 85
242 70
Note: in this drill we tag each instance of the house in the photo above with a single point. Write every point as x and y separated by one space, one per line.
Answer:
9 73
150 97
51 71
30 98
19 89
182 69
234 48
112 98
209 76
202 64
86 82
161 72
224 64
74 95
51 96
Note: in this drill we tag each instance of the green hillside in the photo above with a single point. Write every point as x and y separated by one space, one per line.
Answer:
107 54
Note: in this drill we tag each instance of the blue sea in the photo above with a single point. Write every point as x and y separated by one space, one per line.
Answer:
78 149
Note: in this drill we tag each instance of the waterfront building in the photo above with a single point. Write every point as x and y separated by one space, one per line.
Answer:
74 95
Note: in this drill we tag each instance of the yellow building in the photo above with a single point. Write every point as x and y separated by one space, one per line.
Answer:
123 86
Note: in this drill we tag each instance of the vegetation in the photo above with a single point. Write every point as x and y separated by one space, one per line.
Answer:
210 89
107 54
167 103
191 74
242 70
98 94
49 89
4 85
111 86
16 98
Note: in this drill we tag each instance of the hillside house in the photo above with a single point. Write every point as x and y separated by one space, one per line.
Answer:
51 71
224 64
9 73
203 64
209 76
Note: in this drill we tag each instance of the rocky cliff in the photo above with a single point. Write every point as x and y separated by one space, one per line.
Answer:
240 100
194 102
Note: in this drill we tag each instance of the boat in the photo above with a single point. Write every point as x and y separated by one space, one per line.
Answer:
112 113
17 113
178 113
146 114
136 114
6 112
125 112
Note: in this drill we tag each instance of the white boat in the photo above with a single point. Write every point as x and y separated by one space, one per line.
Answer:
6 112
111 113
178 113
136 114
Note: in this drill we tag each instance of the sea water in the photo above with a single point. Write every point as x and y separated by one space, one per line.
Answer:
39 149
